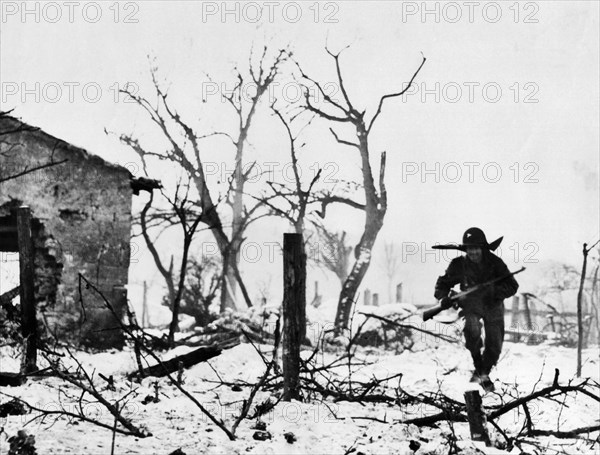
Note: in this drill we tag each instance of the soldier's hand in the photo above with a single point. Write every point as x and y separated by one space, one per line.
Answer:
446 302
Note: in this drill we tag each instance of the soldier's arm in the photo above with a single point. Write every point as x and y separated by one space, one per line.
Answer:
507 287
448 280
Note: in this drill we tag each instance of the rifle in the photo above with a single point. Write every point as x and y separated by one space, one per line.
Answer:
428 314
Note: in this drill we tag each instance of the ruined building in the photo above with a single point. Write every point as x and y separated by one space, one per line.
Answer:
81 221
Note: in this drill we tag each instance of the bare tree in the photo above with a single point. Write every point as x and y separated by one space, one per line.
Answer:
186 152
297 198
181 214
261 78
201 289
344 112
332 252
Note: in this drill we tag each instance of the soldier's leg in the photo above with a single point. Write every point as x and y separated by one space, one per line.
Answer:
473 343
494 336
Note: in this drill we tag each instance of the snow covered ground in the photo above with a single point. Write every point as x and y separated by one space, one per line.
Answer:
327 427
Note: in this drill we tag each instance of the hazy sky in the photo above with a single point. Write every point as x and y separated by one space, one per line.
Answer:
500 131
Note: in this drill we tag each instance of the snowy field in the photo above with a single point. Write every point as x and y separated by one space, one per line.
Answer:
318 427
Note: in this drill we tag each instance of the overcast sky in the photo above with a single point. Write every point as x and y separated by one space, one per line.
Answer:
500 131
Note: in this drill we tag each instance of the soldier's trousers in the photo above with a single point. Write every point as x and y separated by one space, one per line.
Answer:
493 324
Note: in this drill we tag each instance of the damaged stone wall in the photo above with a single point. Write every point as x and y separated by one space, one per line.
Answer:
82 210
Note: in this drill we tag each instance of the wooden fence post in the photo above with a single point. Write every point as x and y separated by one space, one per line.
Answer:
529 323
476 416
145 306
26 272
367 297
294 312
399 293
514 323
316 301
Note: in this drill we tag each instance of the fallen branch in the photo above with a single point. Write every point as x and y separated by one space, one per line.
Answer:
182 361
545 392
260 383
43 413
151 353
89 388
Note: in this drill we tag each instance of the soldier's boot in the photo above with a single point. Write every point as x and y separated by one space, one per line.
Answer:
485 381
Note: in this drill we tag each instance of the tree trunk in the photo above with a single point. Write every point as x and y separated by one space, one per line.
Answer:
294 312
375 209
28 313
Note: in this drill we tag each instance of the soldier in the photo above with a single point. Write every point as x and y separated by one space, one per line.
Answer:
478 266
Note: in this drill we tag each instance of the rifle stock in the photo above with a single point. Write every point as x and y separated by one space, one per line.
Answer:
431 312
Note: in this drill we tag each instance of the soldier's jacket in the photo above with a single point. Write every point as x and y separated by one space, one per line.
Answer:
467 274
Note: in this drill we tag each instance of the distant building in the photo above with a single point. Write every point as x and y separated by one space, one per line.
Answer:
81 210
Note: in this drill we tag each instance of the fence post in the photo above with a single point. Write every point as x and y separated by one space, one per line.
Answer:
316 301
367 297
399 293
27 283
375 299
514 323
145 306
531 337
294 312
476 416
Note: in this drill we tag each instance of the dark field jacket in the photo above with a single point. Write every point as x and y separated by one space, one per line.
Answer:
467 274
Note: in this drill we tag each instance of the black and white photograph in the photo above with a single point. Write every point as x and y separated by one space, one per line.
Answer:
300 227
